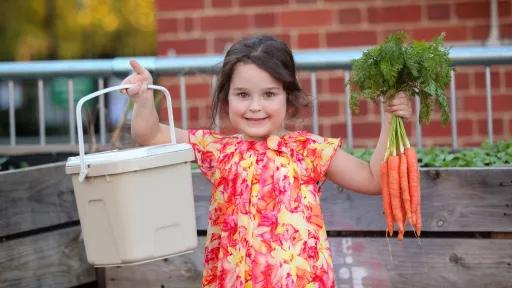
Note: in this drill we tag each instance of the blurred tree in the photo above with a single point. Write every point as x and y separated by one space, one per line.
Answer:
73 29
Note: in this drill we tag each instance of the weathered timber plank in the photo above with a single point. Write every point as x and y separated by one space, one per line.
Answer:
182 271
469 199
53 259
362 262
453 200
472 199
35 197
436 263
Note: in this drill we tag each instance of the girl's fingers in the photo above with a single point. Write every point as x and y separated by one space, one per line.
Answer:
137 67
140 80
404 111
403 114
393 108
134 90
143 87
125 82
399 106
400 101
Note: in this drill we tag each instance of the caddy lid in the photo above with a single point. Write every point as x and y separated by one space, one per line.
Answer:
120 161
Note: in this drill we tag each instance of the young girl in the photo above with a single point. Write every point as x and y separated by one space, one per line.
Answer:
265 224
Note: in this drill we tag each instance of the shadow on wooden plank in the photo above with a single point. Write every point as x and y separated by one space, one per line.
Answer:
54 259
361 262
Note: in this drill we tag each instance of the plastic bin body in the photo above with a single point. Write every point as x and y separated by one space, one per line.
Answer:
136 205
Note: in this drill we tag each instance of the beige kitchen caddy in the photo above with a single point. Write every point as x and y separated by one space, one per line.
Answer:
135 205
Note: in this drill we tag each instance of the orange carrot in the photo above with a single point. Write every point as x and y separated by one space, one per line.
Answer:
414 187
401 235
394 192
404 186
386 199
418 224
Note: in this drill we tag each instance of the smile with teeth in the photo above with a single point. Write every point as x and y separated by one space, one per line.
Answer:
255 119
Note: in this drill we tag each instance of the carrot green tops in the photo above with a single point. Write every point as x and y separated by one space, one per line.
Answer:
265 224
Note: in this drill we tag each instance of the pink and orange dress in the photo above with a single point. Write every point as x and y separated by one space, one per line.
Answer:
265 224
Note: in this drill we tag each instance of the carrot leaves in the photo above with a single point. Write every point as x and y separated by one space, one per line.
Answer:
418 68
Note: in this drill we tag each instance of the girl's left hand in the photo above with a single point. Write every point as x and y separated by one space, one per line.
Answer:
400 106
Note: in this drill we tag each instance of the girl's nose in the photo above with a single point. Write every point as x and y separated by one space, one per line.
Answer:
255 106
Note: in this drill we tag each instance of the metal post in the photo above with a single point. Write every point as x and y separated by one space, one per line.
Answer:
418 126
453 111
494 29
314 98
42 118
488 97
12 116
348 112
71 113
183 97
103 125
217 118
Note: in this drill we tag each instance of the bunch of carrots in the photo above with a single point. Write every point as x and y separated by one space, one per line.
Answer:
420 69
400 182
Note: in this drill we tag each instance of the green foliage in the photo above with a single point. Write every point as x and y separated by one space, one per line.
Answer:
497 154
363 154
418 68
7 164
55 29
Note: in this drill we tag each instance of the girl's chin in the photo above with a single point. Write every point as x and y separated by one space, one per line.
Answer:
260 135
255 137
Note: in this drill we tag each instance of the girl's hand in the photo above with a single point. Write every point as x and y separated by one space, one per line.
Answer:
399 106
141 78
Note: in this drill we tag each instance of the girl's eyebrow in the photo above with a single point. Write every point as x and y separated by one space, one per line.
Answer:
272 88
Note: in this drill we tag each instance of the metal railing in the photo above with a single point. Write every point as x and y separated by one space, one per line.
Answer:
312 61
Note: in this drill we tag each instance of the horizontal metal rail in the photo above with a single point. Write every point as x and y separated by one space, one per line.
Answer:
322 59
312 60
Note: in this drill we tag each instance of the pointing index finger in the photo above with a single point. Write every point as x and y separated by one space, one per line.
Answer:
137 67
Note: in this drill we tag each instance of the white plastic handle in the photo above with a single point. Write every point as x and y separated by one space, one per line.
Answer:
83 167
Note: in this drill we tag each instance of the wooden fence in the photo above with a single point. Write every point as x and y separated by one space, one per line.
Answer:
467 238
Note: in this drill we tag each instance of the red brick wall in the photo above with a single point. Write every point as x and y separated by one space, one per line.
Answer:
207 26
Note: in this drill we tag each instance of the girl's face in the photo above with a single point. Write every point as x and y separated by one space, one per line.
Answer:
257 102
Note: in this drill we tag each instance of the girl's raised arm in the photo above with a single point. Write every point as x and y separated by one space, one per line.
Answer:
146 128
358 175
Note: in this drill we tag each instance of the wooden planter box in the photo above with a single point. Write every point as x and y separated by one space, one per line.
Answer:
39 230
466 241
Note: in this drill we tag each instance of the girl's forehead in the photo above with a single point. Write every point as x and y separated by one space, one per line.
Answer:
249 75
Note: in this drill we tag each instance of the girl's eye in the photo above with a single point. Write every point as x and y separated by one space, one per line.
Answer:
270 94
242 95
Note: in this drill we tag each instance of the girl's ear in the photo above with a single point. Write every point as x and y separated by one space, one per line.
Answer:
289 112
225 107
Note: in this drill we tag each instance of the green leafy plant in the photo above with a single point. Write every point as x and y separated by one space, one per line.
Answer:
418 68
498 154
487 155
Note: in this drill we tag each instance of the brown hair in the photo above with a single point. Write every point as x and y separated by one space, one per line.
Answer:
269 54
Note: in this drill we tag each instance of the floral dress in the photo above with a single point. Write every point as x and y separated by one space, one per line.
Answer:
265 224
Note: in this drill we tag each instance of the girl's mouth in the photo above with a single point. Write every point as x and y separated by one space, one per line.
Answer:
255 119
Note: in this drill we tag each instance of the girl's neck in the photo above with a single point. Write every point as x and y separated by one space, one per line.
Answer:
278 134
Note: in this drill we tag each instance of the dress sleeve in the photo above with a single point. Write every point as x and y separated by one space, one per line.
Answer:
206 145
320 152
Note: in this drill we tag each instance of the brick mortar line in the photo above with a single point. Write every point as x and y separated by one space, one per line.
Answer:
381 32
